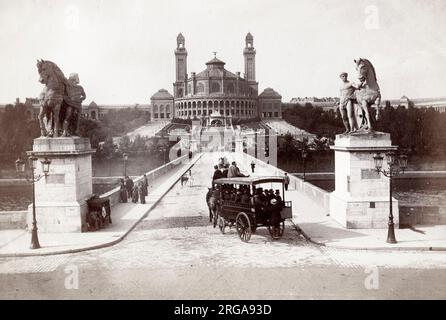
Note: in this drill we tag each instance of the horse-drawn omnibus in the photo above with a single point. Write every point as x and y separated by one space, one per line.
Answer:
247 216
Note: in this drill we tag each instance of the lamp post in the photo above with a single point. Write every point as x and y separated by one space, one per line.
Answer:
304 156
20 169
125 156
396 165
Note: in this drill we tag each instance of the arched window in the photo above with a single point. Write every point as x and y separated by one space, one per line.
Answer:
230 88
180 92
200 87
215 87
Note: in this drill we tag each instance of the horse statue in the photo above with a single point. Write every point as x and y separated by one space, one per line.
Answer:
51 98
368 93
60 100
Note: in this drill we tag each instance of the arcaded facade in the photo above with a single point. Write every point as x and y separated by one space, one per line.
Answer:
215 89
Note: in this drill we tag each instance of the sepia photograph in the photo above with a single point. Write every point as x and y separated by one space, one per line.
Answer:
239 151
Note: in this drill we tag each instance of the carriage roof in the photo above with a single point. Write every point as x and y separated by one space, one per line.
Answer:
250 180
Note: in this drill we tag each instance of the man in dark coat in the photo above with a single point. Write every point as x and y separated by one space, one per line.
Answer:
217 175
122 191
142 192
274 209
145 185
129 186
135 194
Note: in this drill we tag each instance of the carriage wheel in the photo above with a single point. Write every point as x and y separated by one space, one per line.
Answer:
243 226
222 224
279 232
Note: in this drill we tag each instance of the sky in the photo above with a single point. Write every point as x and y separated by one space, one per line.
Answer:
123 50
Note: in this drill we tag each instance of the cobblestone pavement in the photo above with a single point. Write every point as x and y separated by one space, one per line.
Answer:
176 253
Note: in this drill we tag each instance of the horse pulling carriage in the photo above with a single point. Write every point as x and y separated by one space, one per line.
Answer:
248 216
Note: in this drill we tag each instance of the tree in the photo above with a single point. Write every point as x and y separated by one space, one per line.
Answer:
124 144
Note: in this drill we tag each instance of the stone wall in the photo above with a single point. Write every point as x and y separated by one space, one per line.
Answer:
320 196
422 215
113 195
13 220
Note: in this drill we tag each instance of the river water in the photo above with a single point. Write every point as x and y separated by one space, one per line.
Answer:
19 197
410 192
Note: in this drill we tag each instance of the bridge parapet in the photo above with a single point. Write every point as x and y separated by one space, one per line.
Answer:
113 195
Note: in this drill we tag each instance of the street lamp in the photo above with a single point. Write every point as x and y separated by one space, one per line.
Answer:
396 165
126 157
20 169
304 156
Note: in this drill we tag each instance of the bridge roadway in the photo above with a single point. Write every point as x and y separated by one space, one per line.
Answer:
176 254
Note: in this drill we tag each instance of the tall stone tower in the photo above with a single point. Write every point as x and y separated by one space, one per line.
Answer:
249 54
179 87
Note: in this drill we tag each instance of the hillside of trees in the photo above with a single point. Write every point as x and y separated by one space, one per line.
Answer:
420 132
17 134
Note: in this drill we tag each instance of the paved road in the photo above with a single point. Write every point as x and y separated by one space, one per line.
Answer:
176 254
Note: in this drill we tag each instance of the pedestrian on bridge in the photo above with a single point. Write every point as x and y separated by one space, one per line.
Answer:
135 193
145 185
122 191
142 190
286 181
129 186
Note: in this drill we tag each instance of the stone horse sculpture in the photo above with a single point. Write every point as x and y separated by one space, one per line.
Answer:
55 101
368 94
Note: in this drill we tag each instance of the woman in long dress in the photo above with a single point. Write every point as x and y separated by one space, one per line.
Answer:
122 191
142 192
135 194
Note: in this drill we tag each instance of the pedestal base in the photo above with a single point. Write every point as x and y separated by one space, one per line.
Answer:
361 196
59 216
61 197
362 214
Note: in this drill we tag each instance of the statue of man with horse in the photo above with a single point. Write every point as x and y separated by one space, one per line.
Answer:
356 99
60 101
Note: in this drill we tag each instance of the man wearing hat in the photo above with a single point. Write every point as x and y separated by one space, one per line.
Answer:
258 201
217 175
234 171
278 197
274 210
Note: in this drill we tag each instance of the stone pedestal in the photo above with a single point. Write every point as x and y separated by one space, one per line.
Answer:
61 197
361 196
